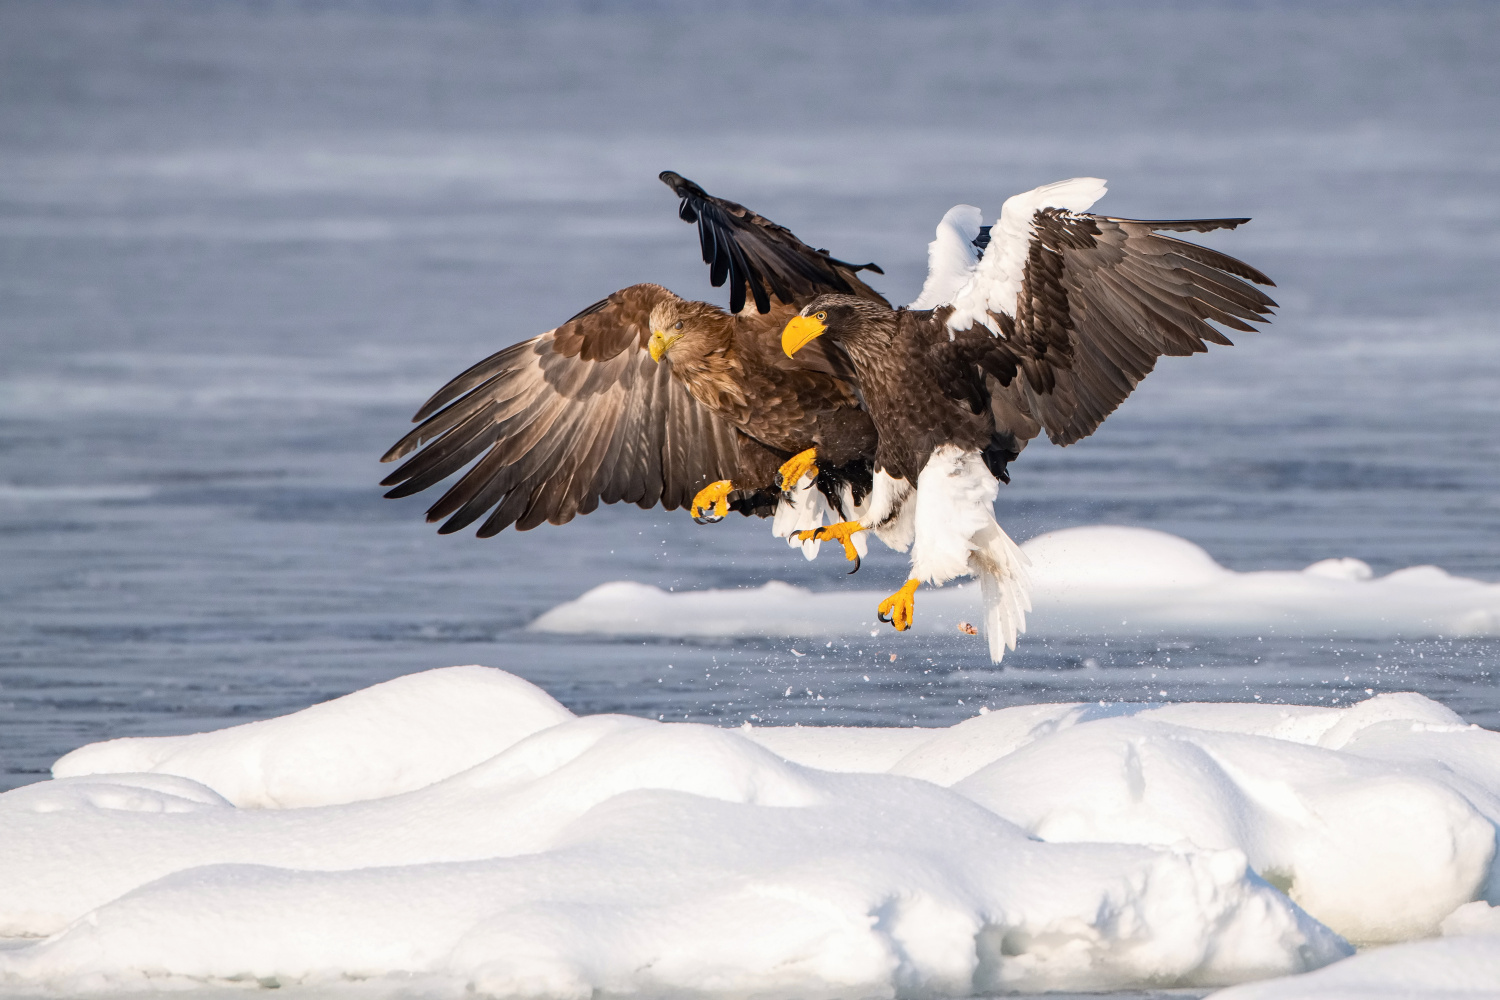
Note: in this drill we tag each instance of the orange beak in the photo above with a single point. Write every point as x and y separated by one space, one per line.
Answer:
799 332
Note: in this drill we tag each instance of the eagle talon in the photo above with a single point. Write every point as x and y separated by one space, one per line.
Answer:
836 532
900 606
794 468
711 503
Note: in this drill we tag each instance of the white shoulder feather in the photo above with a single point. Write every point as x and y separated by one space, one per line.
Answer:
951 257
995 281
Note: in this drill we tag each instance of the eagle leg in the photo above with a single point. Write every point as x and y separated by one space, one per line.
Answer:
836 532
900 608
793 469
710 505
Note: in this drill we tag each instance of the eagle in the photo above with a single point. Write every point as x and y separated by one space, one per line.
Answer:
1045 321
649 398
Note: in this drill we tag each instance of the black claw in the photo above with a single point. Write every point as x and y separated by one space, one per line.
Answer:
881 616
707 518
856 566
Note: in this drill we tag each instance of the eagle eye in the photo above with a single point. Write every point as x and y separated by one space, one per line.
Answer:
678 325
820 317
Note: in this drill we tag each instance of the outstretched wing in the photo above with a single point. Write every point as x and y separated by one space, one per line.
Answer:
1079 306
750 251
563 422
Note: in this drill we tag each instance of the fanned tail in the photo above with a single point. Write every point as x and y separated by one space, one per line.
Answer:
1005 585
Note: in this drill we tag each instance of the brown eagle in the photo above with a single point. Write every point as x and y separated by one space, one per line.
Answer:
1046 325
647 397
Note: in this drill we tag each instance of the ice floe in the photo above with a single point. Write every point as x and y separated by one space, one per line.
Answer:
1099 581
460 829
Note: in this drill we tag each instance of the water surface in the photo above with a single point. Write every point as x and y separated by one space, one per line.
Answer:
241 243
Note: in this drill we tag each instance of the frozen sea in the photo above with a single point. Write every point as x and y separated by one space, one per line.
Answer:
241 243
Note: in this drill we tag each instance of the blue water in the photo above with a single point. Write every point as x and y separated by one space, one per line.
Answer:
241 242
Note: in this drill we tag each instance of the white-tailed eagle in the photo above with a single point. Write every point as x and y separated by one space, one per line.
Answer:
646 397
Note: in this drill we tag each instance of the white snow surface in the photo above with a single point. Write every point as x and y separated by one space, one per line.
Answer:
1100 580
1464 963
1038 847
390 738
1444 969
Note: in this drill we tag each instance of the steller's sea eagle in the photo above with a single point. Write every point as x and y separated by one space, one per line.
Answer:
1049 328
650 398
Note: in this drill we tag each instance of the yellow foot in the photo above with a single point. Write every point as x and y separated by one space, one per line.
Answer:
794 468
842 532
900 608
710 505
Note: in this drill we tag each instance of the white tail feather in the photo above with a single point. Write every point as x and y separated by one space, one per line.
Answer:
803 512
957 535
1004 584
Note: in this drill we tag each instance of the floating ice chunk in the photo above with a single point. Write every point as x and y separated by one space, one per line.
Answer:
385 739
1341 569
1098 581
775 609
1103 557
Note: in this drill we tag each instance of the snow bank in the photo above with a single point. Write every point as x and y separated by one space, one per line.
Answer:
1097 581
1460 967
389 738
1039 847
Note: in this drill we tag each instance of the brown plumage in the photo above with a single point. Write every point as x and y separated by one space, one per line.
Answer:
1101 299
583 414
1086 304
752 252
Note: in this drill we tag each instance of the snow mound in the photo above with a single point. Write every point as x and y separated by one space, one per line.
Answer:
1043 847
1447 969
389 738
1097 581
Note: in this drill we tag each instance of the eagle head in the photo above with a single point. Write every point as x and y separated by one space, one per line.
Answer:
833 314
694 324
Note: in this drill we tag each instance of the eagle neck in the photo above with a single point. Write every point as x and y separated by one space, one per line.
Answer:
903 389
713 373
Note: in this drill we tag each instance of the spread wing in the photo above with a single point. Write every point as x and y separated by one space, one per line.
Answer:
1078 307
750 251
563 422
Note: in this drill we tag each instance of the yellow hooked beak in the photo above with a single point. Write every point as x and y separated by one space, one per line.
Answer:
660 343
801 331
